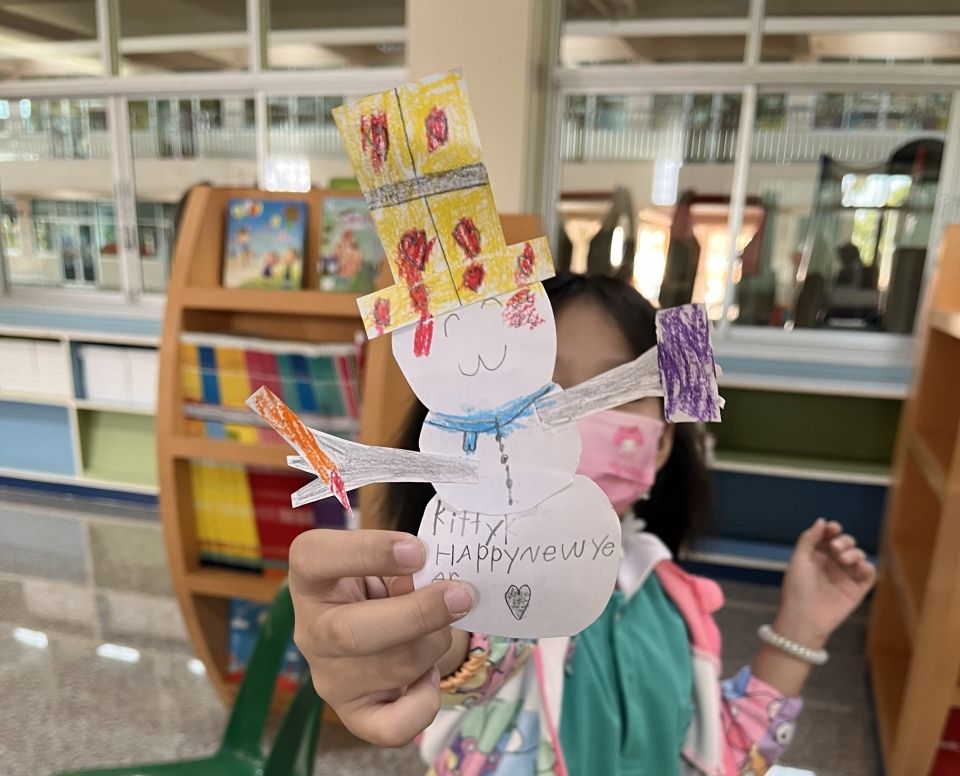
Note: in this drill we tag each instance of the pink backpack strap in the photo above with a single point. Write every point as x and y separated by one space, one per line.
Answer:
560 768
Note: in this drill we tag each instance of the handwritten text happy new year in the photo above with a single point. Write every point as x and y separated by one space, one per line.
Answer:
483 543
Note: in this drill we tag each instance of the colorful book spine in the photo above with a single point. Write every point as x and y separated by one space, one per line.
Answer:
241 540
234 389
325 383
277 522
202 510
219 372
262 370
302 386
347 382
223 511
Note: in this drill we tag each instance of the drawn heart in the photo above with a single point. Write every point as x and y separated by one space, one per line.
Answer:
518 599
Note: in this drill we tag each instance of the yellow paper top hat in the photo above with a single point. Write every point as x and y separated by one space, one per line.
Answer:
416 153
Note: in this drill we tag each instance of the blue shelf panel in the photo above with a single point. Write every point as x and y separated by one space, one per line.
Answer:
35 437
775 510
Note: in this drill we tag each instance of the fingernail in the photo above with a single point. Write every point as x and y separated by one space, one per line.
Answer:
435 678
409 554
459 599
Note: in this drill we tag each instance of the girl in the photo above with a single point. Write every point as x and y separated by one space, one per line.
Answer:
637 692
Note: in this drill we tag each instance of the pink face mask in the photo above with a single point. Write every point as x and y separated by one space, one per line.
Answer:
619 454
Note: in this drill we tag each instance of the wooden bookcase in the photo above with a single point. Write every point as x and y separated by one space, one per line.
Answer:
914 636
196 302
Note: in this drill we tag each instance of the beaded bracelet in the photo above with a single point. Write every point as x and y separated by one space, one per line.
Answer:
815 657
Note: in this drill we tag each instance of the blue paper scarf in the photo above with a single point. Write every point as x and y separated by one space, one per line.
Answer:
501 420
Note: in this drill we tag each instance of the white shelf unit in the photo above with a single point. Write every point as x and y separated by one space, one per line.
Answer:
77 420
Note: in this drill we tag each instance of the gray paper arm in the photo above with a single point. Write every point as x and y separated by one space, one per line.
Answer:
364 465
631 381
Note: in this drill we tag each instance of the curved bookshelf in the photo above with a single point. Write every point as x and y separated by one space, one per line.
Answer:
196 302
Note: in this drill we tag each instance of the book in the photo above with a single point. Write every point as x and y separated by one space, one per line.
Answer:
246 619
218 372
244 518
279 523
265 243
224 515
350 250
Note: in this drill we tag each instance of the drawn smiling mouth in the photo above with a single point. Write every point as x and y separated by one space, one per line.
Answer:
482 363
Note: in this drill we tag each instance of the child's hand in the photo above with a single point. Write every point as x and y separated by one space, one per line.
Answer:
826 580
372 642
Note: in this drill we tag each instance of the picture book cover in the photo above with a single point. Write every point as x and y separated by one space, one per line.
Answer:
350 250
265 244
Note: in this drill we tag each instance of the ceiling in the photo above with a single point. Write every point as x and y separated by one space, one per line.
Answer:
201 35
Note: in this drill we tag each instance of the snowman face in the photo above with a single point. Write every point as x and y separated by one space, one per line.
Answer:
483 355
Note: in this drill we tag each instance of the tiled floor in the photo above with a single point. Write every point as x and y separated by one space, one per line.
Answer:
82 580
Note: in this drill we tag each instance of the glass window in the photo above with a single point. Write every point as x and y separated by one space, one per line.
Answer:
50 39
10 228
659 169
844 216
586 41
39 130
305 36
591 10
941 46
859 8
68 247
302 127
830 111
585 48
278 111
180 142
192 36
865 110
211 113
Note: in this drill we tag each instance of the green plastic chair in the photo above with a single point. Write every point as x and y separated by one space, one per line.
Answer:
240 752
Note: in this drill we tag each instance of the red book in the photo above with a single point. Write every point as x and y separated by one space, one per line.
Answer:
278 523
348 386
948 758
262 370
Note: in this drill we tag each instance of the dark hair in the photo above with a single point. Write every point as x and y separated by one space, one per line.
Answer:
676 511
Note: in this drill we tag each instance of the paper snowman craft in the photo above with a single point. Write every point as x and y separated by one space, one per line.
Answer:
473 332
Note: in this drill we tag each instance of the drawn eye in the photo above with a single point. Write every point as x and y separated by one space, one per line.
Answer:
491 300
446 322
